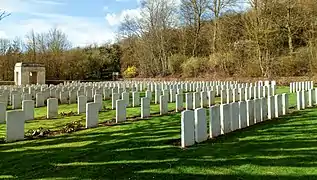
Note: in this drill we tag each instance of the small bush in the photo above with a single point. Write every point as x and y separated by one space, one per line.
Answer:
130 72
175 62
194 66
68 114
40 132
72 127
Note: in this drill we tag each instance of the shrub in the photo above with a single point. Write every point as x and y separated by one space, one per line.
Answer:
130 72
40 132
72 127
194 66
175 62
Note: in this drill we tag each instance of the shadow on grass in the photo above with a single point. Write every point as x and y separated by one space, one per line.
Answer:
283 148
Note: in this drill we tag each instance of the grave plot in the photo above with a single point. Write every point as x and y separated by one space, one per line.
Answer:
54 117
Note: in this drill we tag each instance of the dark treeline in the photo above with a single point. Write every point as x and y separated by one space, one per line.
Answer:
253 38
61 61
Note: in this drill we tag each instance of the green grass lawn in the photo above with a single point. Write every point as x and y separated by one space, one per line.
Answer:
284 148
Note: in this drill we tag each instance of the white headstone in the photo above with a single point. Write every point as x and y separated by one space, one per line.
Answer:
179 102
200 125
145 107
92 114
234 110
15 125
163 105
189 101
285 104
225 118
250 112
28 109
136 99
215 125
242 114
187 128
52 108
81 104
98 100
3 108
114 97
121 111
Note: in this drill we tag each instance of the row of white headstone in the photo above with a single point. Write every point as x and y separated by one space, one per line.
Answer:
301 86
69 93
226 118
193 100
306 99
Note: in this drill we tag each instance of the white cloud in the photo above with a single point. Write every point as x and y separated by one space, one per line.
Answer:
81 31
115 19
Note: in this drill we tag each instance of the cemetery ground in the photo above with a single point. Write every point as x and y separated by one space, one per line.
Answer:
283 148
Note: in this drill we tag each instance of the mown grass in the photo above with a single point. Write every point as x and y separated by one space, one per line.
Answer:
283 148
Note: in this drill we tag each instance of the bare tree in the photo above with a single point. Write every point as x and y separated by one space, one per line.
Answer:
218 7
4 14
194 12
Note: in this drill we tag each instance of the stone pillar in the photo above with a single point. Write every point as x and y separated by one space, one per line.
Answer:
81 104
200 125
145 107
250 112
15 125
187 128
92 114
98 100
52 108
28 109
121 111
225 118
234 115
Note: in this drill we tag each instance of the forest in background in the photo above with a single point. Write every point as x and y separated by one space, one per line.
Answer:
193 38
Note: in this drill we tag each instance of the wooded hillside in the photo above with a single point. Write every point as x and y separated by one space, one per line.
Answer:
254 38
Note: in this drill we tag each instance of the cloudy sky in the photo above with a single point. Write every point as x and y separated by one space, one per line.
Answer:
84 21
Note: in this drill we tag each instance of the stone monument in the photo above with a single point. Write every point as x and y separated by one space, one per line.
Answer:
29 73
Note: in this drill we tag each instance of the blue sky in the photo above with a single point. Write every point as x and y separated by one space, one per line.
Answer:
84 21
